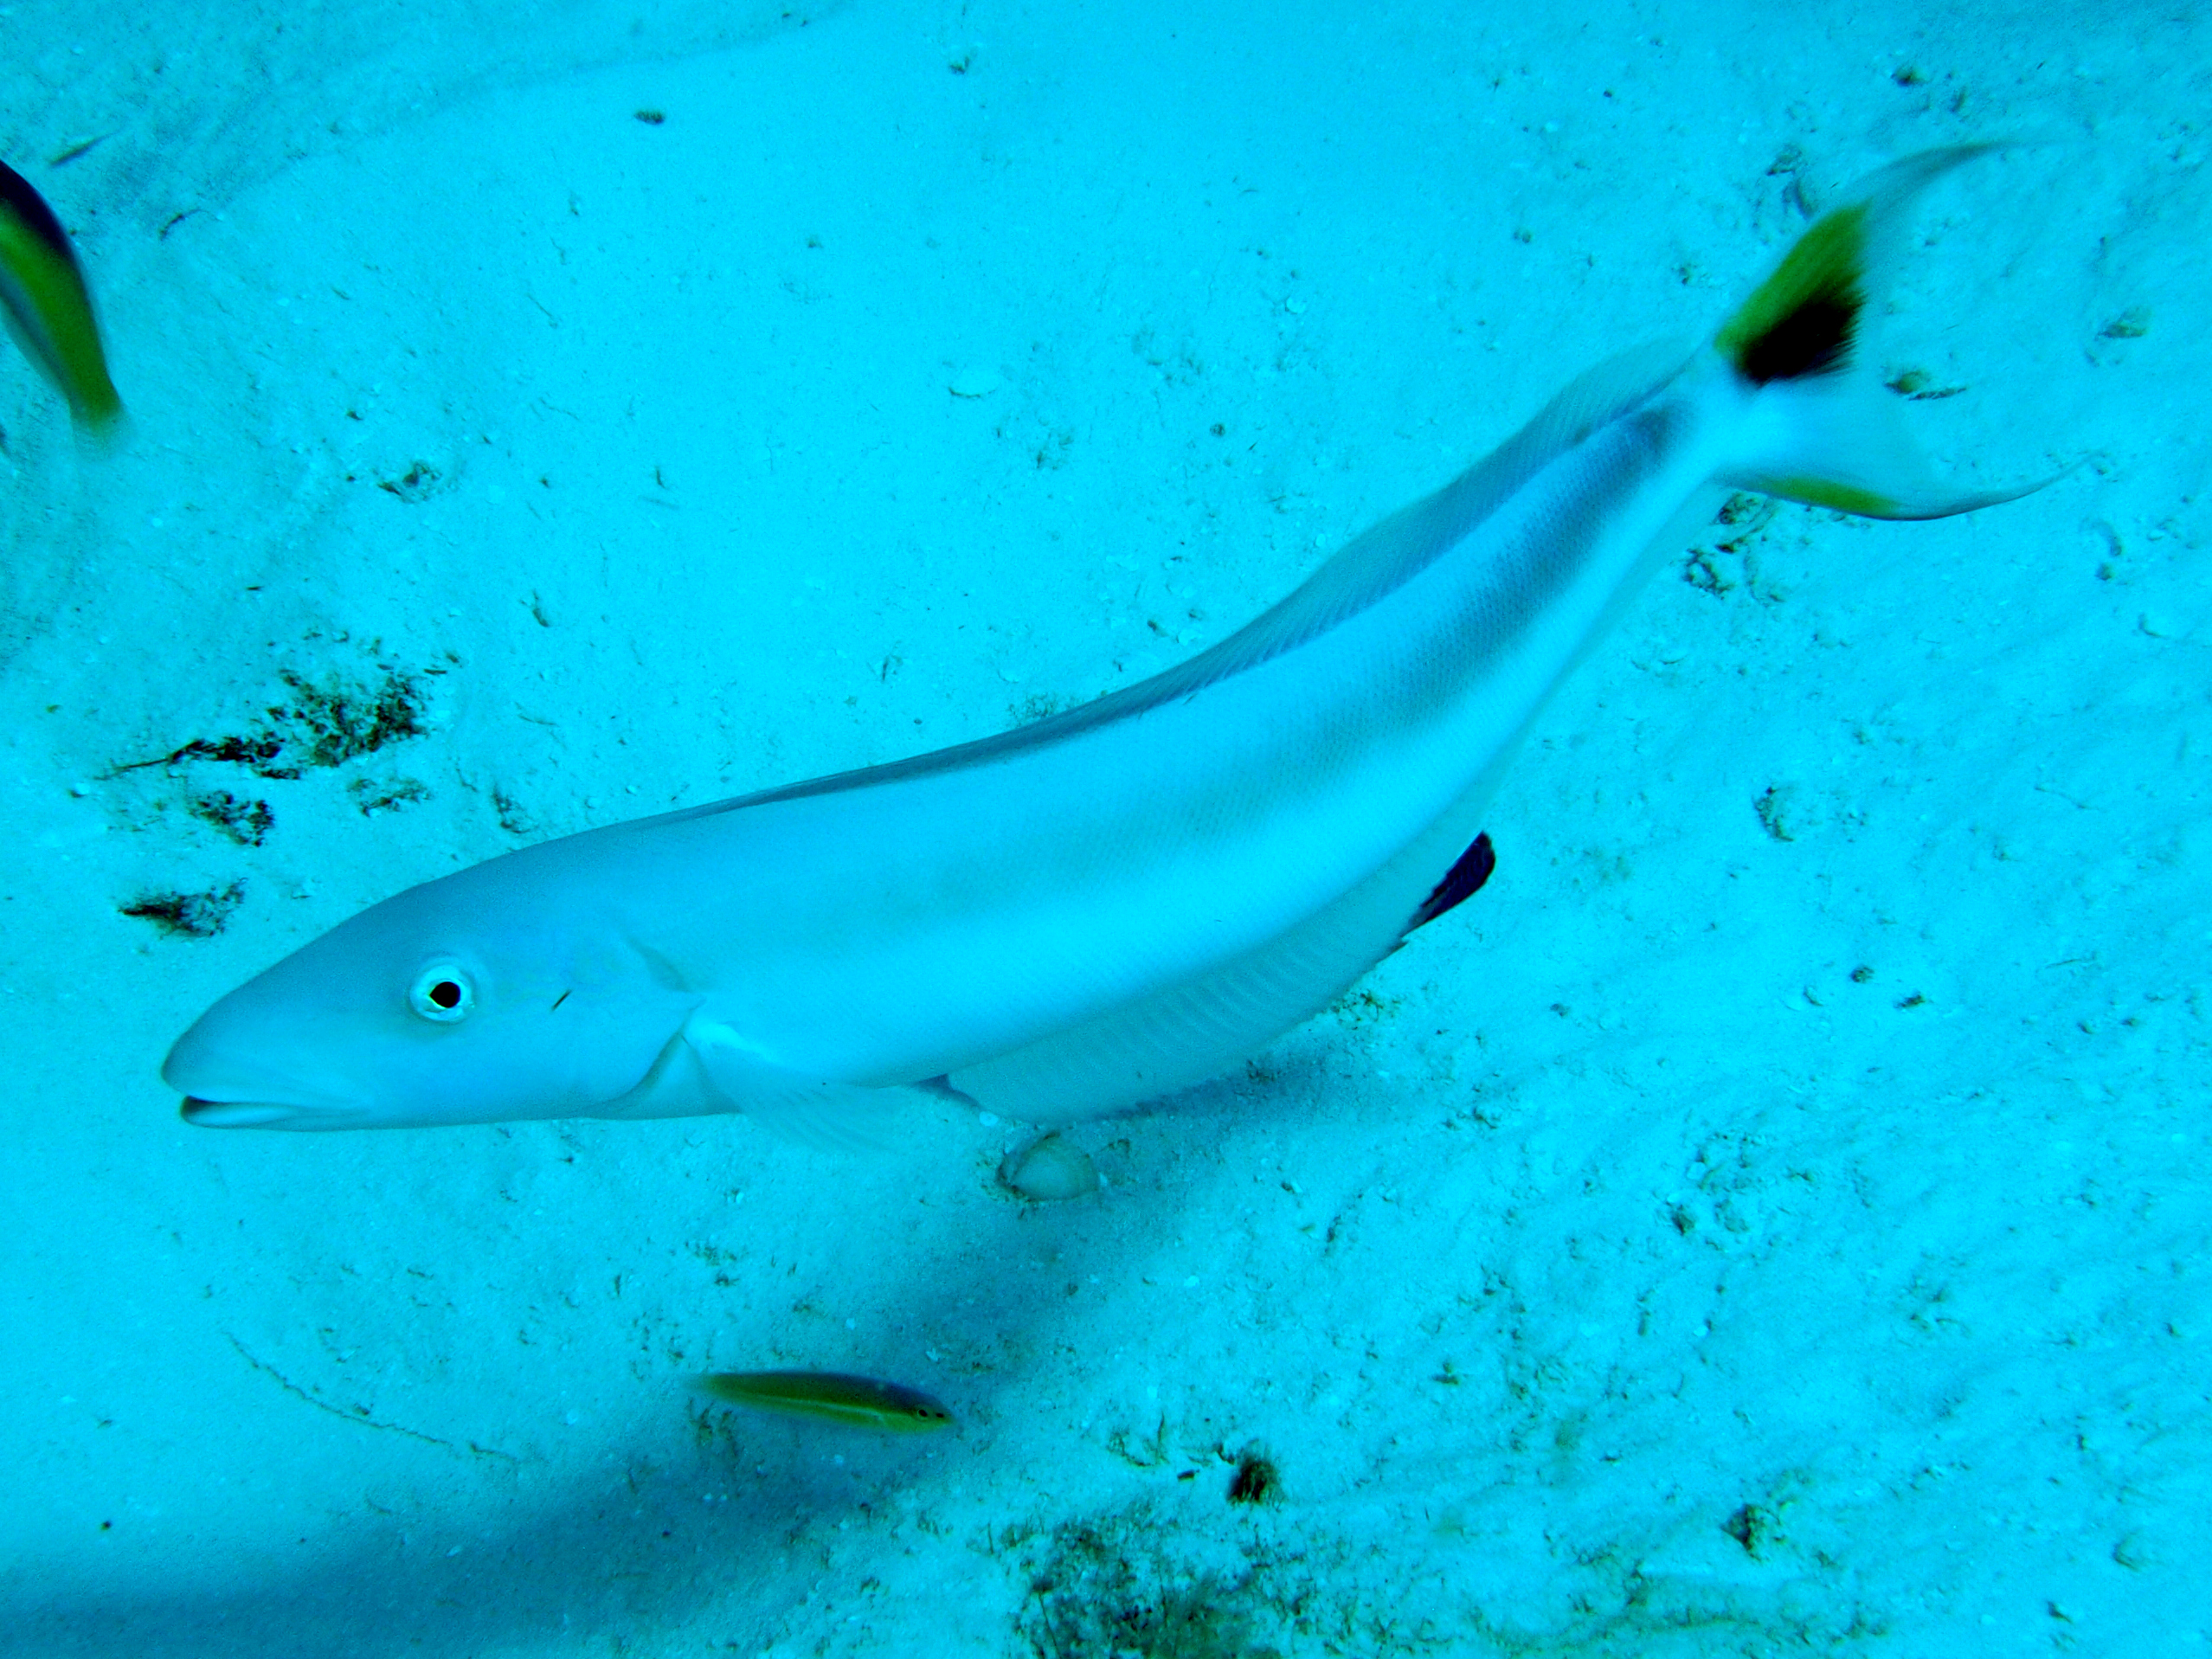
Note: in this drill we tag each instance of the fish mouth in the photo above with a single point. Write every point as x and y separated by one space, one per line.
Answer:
263 1115
226 1090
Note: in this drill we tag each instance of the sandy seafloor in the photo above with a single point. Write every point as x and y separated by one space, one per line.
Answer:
1771 1217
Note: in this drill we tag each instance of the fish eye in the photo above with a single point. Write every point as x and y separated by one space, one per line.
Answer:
442 991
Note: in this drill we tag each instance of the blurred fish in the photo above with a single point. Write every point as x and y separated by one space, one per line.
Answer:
49 310
832 1395
1129 897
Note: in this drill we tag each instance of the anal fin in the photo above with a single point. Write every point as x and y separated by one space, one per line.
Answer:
1198 1029
1461 883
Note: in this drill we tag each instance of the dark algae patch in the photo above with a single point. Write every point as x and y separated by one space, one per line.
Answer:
419 483
187 915
1149 1582
372 796
315 724
246 822
1256 1480
1099 1594
324 723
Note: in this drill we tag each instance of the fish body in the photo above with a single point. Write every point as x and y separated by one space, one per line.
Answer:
1126 898
832 1397
47 307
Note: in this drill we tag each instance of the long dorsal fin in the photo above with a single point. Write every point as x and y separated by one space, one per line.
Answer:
1366 569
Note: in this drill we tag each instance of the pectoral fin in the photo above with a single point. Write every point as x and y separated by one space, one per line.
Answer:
813 1111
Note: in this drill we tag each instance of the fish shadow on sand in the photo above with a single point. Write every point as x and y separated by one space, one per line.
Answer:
637 1552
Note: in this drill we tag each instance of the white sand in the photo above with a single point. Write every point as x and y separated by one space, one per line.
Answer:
1704 1242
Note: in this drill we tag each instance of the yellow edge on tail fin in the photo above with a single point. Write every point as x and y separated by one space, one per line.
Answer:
1803 318
1827 434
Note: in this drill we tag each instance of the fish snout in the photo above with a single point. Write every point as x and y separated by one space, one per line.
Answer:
225 1089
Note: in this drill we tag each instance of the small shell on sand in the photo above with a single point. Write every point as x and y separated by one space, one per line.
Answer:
1047 1169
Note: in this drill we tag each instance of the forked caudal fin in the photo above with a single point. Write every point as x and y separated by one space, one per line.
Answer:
1824 430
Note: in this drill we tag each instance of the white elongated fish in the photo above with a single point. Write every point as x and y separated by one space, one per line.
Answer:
1127 898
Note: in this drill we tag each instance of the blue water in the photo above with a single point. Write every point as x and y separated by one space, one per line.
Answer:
1770 1217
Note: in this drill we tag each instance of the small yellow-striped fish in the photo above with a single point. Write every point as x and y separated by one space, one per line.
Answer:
47 308
832 1395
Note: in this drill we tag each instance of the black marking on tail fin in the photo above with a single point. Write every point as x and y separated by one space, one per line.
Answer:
1804 319
1461 882
1813 339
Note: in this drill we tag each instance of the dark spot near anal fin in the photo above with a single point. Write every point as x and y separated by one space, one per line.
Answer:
1460 884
